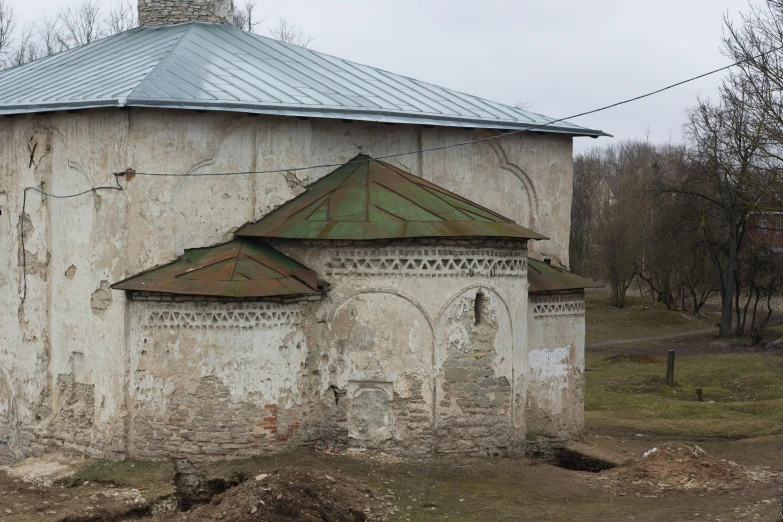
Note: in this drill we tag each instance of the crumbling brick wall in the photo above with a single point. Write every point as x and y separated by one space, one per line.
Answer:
74 417
206 423
475 397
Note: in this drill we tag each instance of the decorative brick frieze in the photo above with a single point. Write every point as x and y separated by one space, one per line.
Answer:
427 262
551 306
221 315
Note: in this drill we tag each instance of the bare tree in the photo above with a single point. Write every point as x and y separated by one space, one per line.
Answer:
289 33
589 172
755 43
80 24
27 48
727 167
49 35
245 19
7 26
122 17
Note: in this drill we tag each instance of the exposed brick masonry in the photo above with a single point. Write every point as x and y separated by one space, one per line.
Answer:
168 12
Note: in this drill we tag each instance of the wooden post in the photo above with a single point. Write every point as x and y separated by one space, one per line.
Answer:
670 369
700 394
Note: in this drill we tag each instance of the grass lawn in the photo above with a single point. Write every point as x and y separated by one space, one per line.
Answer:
743 395
154 479
640 318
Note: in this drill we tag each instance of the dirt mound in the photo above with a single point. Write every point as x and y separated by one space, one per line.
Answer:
635 358
673 466
293 494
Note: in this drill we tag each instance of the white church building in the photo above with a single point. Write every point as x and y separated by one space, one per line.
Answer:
206 294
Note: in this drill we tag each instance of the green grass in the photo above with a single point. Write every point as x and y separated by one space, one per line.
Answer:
640 318
743 395
154 479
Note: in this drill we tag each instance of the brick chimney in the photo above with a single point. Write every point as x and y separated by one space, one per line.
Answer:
167 12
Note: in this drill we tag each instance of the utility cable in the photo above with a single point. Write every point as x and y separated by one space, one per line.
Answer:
44 193
388 156
470 142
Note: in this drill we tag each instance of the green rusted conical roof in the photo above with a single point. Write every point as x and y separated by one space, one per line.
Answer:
244 267
368 199
544 277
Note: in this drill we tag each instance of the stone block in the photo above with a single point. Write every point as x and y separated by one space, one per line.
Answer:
456 374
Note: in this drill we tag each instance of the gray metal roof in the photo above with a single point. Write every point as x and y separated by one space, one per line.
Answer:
217 67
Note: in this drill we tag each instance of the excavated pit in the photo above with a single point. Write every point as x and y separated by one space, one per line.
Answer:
576 461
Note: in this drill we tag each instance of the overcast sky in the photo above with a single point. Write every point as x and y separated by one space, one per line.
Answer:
561 57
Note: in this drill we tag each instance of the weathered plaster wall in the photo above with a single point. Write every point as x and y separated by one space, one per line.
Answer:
398 329
207 378
394 358
555 393
66 347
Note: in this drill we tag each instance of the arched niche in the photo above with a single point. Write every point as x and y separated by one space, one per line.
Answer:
473 386
384 343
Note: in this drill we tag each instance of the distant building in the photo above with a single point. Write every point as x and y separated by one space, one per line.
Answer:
382 304
766 229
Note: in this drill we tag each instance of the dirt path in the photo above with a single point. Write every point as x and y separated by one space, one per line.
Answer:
777 319
652 338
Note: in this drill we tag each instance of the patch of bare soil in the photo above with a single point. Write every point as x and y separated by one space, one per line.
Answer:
677 467
43 471
294 494
33 500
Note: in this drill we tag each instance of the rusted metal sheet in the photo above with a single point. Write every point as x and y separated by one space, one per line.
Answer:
369 199
544 277
244 267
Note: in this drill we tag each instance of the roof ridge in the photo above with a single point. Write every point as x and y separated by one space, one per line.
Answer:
209 66
122 102
392 191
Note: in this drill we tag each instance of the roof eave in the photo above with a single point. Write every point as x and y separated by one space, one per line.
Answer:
304 112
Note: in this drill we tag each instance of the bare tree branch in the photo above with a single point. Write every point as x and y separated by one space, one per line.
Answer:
289 33
80 24
245 19
122 17
50 35
7 26
27 49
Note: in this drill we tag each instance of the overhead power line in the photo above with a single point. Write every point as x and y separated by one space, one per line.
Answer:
388 156
469 142
21 224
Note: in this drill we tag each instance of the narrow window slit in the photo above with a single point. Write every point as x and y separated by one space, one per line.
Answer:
478 307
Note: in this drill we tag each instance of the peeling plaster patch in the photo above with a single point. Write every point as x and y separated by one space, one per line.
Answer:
75 412
71 272
370 415
78 367
551 364
296 182
33 265
27 225
101 298
553 387
228 236
474 399
7 430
